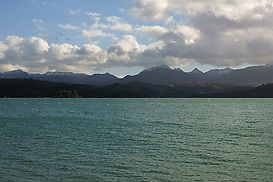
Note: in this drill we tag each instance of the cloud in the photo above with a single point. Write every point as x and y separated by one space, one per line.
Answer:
155 10
24 52
152 31
117 24
98 29
214 32
68 26
39 24
124 51
3 49
222 47
161 9
30 49
94 32
35 54
95 16
129 52
62 51
92 54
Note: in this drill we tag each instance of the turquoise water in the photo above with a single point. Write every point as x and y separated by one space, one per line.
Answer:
136 140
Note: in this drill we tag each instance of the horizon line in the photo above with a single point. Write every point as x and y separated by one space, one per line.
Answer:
149 68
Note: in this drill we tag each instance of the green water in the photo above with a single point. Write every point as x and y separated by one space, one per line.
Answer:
136 140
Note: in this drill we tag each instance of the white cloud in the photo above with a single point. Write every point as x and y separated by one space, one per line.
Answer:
128 52
98 29
152 31
37 45
35 54
30 49
161 9
68 26
93 32
117 24
39 24
95 16
189 35
155 10
91 53
125 50
62 51
9 67
3 49
215 32
128 44
13 40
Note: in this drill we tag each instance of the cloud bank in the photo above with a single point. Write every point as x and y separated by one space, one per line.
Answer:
213 32
216 32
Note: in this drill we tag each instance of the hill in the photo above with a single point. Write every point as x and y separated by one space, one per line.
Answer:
160 75
264 91
29 88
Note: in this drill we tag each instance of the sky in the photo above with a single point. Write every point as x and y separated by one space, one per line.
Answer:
125 36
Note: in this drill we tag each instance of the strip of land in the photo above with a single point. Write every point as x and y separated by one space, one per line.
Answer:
30 88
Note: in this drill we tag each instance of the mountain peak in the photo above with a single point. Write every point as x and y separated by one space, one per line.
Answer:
179 70
109 74
159 67
16 71
15 74
104 76
227 69
60 73
220 71
196 71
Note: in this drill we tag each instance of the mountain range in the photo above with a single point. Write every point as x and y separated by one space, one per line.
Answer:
160 75
29 88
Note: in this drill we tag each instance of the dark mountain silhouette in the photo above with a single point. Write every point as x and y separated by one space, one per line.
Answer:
15 74
29 88
218 72
103 79
254 75
65 77
74 78
264 91
160 75
196 72
163 75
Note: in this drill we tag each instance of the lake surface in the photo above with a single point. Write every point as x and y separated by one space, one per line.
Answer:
136 140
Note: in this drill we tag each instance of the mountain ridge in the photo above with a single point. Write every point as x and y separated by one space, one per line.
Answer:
159 75
30 88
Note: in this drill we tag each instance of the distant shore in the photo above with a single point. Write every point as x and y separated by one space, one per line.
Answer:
29 88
